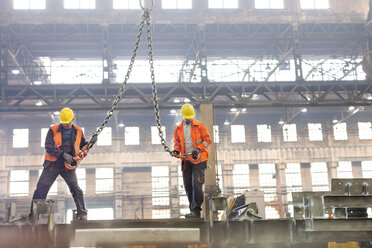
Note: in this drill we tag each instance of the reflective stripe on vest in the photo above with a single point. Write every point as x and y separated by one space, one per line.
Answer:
58 141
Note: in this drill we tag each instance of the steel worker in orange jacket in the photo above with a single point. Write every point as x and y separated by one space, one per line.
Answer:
191 137
63 142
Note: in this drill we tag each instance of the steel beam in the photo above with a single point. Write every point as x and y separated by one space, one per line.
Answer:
181 232
248 39
239 94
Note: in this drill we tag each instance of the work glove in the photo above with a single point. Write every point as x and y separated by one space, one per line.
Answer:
175 152
69 159
194 153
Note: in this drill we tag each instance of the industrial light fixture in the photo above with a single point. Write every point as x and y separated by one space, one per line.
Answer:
173 111
56 113
351 108
15 71
255 95
334 121
244 110
187 100
176 100
281 122
37 82
304 110
226 123
121 124
39 103
233 109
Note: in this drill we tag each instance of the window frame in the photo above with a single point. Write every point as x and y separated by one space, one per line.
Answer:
269 5
177 5
79 5
223 3
20 144
29 6
237 135
23 181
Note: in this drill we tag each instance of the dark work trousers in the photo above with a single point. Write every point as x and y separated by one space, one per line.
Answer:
49 175
193 180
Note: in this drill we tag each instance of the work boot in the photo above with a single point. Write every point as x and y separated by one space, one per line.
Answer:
193 215
82 216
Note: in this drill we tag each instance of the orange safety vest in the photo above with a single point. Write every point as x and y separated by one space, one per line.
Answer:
58 141
199 135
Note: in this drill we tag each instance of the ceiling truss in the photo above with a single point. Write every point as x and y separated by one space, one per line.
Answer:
139 96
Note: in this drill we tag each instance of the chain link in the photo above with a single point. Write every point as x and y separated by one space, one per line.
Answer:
118 97
154 91
145 19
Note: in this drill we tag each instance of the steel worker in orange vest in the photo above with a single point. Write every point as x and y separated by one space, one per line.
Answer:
63 142
191 137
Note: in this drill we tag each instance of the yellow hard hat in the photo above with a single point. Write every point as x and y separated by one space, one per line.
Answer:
187 111
66 116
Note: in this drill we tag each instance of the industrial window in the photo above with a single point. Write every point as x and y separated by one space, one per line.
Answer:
344 169
80 4
160 213
29 4
54 188
241 178
126 4
223 4
314 4
264 133
105 137
176 4
160 185
237 134
271 213
365 130
182 193
20 138
269 4
289 132
131 135
44 132
184 211
216 134
340 131
94 214
293 179
267 177
155 139
319 176
315 131
104 180
18 185
367 169
101 213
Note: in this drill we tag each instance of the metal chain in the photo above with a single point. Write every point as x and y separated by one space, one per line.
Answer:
154 91
118 97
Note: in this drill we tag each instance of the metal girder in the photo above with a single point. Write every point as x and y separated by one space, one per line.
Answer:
3 57
139 96
250 39
258 233
30 68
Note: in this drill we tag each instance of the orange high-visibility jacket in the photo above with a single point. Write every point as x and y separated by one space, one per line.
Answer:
58 141
199 135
